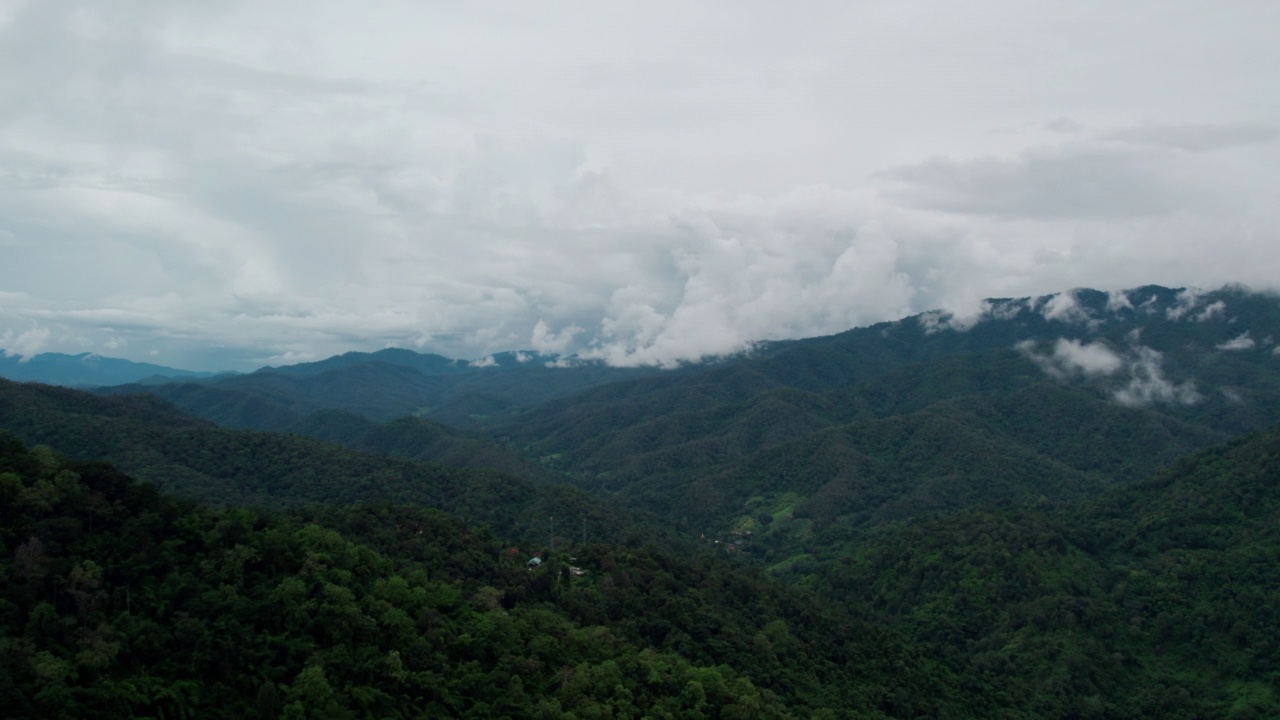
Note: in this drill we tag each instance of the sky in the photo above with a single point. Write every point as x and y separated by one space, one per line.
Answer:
216 184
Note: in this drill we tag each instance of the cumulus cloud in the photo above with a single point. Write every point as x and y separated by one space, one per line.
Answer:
805 265
483 362
545 341
25 344
1240 342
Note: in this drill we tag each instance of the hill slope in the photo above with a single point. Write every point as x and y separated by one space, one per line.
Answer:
1152 601
121 602
1056 396
196 459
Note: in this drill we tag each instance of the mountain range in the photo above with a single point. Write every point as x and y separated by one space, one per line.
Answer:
1066 503
87 370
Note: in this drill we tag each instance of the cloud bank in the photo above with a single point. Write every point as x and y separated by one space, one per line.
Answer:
235 184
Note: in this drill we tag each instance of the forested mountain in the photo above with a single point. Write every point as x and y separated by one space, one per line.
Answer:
1143 346
1026 513
1057 396
86 370
1157 599
1152 601
387 385
792 424
121 602
195 459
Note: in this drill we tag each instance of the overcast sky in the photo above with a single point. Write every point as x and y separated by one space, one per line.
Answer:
222 185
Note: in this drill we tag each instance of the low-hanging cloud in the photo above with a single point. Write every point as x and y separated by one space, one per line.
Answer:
1072 358
1148 384
1190 304
1065 307
1212 310
1238 343
1118 300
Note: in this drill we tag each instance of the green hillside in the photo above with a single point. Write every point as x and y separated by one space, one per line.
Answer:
384 386
1157 600
122 602
195 459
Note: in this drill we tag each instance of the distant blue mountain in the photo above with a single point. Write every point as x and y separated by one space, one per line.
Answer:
428 363
88 370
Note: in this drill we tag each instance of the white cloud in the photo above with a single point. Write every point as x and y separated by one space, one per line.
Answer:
236 181
1118 300
1071 358
1087 358
1006 309
807 264
963 319
1212 310
935 321
1065 307
547 342
1148 385
1187 301
484 362
25 344
1240 342
1143 366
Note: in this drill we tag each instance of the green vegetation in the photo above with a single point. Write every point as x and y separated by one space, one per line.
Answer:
898 521
197 460
1157 600
121 602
